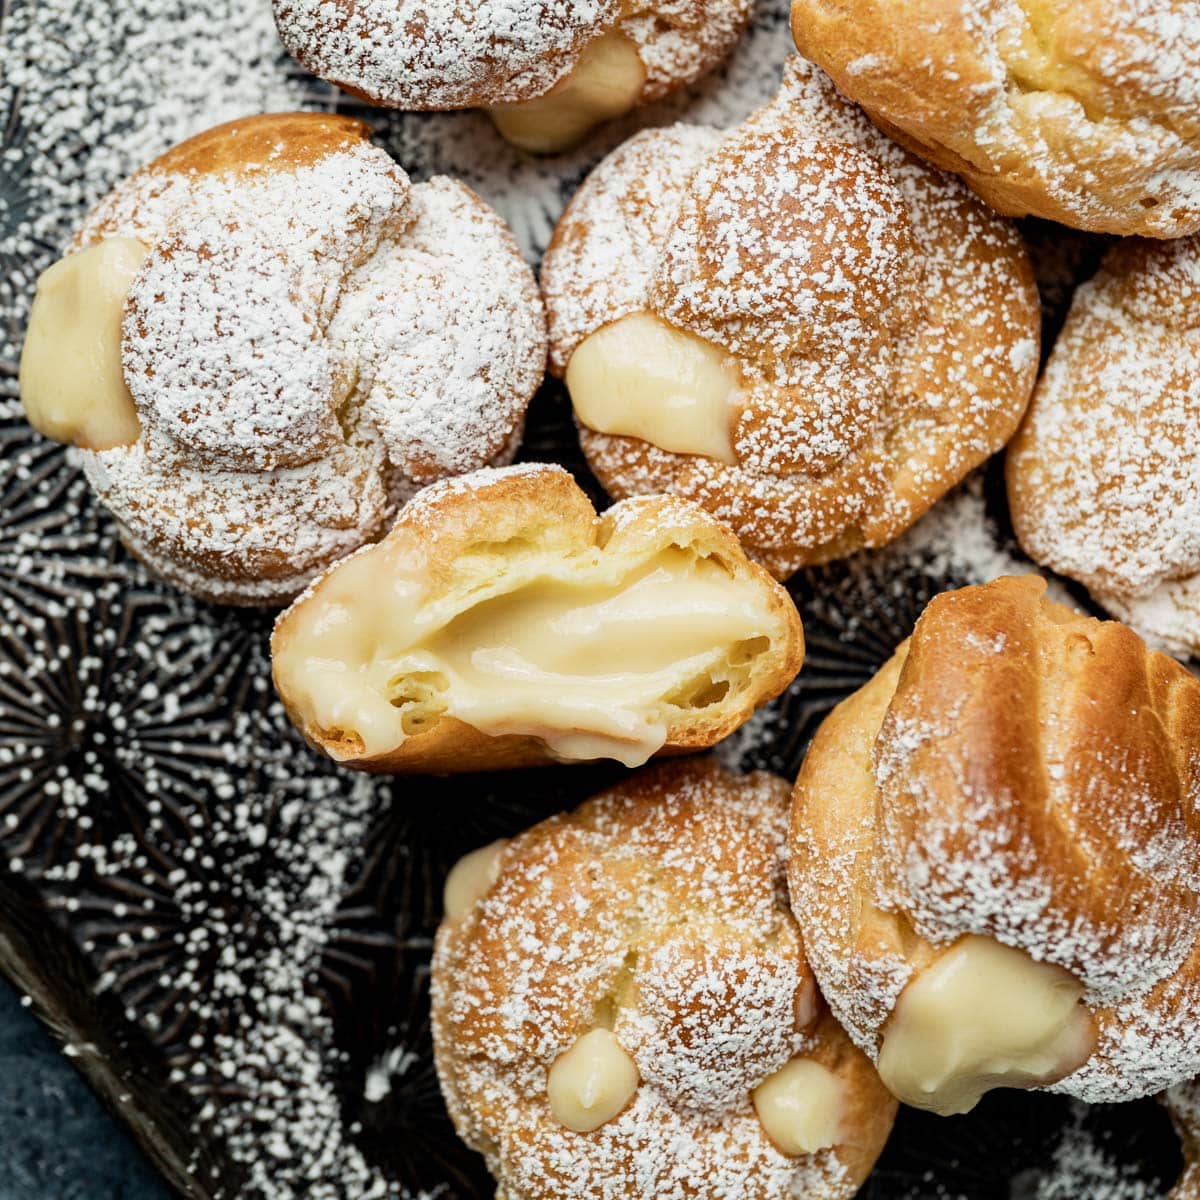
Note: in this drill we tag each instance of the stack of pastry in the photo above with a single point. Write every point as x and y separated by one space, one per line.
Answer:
293 375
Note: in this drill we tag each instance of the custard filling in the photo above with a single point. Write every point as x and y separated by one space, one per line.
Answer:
605 83
595 655
72 381
801 1107
592 1082
982 1016
471 879
643 378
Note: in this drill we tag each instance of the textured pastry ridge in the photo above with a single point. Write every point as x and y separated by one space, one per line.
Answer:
1104 474
310 337
884 322
1025 773
1183 1103
1085 113
448 54
463 545
656 909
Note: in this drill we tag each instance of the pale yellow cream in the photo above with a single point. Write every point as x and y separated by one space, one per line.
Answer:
72 383
605 83
592 654
641 377
592 1082
470 878
801 1107
982 1016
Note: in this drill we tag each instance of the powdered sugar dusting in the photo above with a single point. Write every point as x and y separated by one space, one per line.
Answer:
655 910
1082 113
884 323
1063 823
1105 474
443 55
303 345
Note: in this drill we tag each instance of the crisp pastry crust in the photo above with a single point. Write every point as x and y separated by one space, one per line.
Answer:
1104 474
1085 113
1027 774
884 322
1183 1103
526 629
655 910
448 55
309 338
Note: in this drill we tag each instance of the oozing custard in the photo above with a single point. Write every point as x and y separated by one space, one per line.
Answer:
801 1107
72 382
641 377
604 84
591 653
592 1082
982 1016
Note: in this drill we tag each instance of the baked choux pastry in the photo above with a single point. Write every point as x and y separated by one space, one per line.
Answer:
622 1006
265 340
1083 113
1183 1103
502 623
547 72
995 856
797 325
1104 474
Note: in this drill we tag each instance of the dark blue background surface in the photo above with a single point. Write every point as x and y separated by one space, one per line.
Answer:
56 1140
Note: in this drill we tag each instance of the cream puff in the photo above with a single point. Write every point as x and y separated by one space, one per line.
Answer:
1085 113
622 1006
547 72
266 339
1104 474
797 325
995 856
502 623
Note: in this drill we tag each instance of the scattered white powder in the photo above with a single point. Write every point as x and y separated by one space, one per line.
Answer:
1083 1168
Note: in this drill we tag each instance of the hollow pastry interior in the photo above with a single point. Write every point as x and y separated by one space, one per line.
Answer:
595 653
72 380
606 83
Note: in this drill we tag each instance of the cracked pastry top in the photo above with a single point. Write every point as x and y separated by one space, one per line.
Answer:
622 1006
266 339
547 71
1085 113
798 325
995 856
1104 473
503 623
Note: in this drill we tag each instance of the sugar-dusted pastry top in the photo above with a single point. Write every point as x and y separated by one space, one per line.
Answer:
855 331
1024 776
643 945
447 55
305 338
502 622
1085 113
1183 1103
1104 474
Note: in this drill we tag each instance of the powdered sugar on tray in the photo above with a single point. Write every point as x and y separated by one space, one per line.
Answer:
1081 1166
98 90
